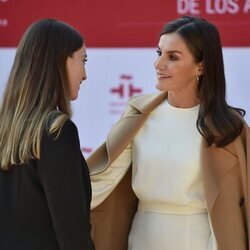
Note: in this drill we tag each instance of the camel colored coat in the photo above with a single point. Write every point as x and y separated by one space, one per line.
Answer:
226 178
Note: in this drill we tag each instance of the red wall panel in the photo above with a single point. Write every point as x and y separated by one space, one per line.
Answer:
127 23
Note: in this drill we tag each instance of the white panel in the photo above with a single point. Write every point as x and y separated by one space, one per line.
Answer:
6 61
237 69
126 70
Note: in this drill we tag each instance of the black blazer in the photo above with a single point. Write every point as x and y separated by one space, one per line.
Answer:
45 205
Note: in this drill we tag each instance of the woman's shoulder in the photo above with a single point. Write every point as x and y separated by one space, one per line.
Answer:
240 115
60 125
144 97
245 129
146 103
65 136
69 125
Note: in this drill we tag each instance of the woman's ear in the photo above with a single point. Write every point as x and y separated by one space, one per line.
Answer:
69 61
200 69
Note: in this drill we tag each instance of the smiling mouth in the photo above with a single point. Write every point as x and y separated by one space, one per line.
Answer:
162 76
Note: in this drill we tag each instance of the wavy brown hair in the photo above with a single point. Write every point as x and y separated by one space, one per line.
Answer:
217 121
36 89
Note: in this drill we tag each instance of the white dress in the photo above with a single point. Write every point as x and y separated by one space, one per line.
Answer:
172 213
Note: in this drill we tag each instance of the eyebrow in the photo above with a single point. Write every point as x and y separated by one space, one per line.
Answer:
171 51
85 56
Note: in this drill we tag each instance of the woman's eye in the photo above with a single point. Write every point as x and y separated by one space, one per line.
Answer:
159 53
84 61
173 58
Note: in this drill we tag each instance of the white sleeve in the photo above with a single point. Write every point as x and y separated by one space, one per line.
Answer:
105 182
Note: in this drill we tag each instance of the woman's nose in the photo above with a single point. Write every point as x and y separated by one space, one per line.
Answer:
84 75
160 64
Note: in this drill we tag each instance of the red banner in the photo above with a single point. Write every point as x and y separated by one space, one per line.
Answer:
114 23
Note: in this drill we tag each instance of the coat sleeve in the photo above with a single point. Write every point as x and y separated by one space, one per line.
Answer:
60 170
104 183
248 180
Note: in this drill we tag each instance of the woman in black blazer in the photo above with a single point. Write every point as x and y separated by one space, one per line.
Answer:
45 190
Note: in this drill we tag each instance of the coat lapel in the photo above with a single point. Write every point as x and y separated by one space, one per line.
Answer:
123 132
133 118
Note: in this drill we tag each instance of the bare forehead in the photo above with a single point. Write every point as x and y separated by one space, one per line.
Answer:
81 52
172 42
83 49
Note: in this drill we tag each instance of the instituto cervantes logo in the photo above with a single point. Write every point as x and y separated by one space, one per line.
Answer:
126 88
118 97
120 94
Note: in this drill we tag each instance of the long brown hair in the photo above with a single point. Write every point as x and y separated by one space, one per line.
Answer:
37 87
217 122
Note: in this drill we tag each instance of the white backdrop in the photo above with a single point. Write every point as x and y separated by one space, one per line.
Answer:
116 74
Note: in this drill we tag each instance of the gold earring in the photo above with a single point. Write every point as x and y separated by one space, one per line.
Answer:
198 79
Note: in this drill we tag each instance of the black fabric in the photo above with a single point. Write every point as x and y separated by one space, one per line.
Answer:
45 205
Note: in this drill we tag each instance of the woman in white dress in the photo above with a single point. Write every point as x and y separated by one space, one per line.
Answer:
183 145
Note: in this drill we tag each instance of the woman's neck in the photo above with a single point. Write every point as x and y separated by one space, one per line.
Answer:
182 100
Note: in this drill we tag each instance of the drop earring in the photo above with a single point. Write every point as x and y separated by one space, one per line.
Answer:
197 79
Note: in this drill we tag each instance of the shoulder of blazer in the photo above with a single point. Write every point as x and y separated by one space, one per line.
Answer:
146 103
124 131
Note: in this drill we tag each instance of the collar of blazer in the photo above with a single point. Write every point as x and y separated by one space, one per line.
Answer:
216 162
123 132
